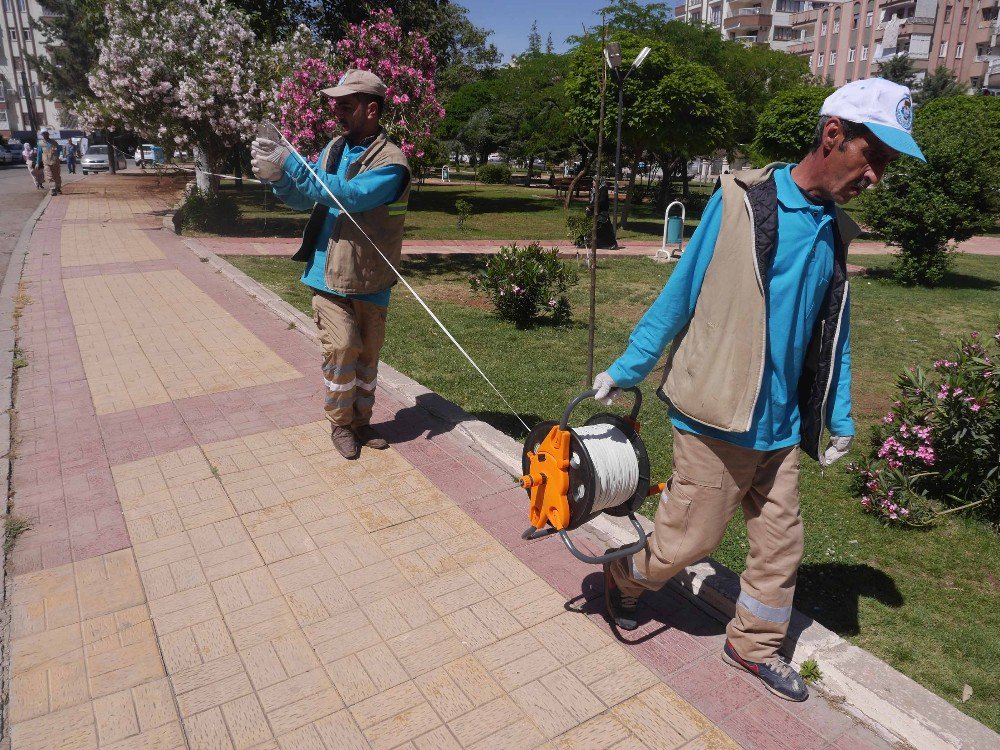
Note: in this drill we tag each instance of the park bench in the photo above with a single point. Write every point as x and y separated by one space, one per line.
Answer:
561 184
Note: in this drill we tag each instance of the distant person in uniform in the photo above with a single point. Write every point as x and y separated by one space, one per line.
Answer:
48 158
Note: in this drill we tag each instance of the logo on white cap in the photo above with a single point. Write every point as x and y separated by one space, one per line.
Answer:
904 113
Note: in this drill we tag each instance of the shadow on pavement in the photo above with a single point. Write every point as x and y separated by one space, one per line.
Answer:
433 415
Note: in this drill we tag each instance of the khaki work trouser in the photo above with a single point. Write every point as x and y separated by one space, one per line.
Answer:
711 479
53 173
352 333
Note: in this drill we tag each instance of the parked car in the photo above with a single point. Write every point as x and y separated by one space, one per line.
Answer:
5 156
149 154
96 160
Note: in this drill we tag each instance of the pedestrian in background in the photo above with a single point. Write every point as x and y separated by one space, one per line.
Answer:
48 157
71 158
28 151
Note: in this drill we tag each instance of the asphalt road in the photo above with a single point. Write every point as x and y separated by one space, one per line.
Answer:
18 200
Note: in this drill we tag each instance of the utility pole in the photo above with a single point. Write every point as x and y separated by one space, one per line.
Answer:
614 58
593 195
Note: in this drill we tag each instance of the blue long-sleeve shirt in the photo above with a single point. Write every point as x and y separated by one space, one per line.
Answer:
797 283
298 189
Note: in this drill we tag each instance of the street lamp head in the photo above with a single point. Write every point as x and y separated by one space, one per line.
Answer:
613 54
640 57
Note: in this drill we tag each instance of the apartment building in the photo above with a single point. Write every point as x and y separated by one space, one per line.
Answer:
23 105
767 22
845 40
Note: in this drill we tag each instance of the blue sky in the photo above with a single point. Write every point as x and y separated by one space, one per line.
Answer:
510 20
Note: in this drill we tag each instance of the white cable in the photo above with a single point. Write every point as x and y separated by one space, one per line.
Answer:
399 275
616 468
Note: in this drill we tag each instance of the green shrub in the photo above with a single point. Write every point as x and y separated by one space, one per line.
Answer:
208 211
920 207
938 449
464 210
494 174
524 282
578 228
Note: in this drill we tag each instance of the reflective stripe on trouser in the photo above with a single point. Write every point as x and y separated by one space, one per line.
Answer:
352 333
712 478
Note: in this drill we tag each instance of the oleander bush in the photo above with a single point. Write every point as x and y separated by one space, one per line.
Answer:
937 450
525 283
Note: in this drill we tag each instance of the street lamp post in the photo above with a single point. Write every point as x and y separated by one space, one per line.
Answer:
614 58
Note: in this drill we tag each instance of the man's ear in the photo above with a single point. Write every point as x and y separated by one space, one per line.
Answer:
833 133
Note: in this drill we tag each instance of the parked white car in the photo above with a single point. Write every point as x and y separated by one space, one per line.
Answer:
96 160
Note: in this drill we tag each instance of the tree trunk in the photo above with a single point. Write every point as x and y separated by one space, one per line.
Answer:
531 164
632 169
238 166
579 175
201 169
685 180
112 155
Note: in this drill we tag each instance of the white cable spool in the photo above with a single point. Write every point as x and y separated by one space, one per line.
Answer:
616 468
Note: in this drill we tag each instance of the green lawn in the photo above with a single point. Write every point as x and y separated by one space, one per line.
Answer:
928 602
499 212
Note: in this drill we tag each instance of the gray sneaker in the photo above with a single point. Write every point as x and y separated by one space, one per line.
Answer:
369 437
777 674
345 441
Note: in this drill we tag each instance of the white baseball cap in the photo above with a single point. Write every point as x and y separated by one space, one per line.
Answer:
884 107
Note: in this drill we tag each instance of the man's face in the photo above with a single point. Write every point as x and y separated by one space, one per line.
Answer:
851 166
45 136
351 114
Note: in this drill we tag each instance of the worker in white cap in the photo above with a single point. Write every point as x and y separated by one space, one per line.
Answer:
758 317
350 280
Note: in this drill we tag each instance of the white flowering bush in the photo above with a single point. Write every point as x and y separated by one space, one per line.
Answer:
937 450
524 282
186 73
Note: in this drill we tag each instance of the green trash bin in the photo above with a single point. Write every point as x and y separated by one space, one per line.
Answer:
675 229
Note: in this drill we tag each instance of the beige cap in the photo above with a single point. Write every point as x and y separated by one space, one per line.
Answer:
356 81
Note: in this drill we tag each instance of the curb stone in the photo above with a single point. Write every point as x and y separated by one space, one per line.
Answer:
896 707
8 301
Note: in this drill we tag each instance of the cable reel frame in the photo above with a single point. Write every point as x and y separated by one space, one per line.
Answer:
559 477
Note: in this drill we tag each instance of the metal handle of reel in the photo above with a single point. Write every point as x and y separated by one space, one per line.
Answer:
637 546
564 423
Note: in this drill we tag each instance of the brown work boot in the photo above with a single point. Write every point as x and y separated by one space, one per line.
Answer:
344 441
369 437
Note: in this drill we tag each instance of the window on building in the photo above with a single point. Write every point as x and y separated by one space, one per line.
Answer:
864 52
855 19
990 14
785 33
822 29
959 49
868 18
26 33
22 5
965 15
4 123
947 13
696 17
3 90
833 59
982 50
850 55
943 51
836 26
13 34
716 16
819 61
8 6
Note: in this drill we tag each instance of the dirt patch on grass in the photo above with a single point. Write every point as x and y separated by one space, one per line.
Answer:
455 294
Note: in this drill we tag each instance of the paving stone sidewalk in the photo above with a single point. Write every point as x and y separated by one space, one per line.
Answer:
205 571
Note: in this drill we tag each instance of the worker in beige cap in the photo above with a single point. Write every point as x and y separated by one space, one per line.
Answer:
349 279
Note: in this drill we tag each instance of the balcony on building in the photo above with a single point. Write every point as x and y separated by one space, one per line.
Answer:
804 46
748 40
805 18
748 18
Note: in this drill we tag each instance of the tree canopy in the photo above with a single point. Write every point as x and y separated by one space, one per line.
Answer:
920 207
787 126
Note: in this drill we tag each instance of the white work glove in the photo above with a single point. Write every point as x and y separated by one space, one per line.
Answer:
606 389
267 159
837 449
